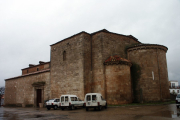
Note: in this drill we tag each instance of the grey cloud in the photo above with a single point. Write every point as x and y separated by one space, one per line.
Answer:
29 27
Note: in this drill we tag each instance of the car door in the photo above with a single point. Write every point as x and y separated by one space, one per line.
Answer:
88 100
103 101
72 100
62 101
56 102
66 103
94 99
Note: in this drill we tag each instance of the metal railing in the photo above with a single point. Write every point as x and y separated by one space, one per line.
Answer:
174 87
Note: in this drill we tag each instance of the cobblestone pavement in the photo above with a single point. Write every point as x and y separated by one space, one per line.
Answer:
158 112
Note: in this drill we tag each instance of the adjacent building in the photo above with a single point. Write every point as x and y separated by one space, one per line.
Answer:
118 66
2 100
174 87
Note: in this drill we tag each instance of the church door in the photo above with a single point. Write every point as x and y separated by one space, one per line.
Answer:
39 94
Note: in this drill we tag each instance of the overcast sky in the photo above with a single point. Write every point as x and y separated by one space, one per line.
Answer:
29 27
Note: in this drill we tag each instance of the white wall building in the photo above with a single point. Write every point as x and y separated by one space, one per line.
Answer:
174 87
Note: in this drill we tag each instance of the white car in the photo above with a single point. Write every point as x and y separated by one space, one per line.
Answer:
94 100
53 103
178 100
70 101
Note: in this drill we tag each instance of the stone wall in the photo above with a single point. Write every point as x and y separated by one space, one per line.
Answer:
104 45
118 84
67 73
153 82
20 90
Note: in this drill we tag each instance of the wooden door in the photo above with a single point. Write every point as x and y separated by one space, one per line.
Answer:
39 99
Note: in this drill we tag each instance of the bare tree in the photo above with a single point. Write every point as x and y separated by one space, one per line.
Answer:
2 90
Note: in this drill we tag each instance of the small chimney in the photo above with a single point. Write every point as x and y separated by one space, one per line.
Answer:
31 65
41 62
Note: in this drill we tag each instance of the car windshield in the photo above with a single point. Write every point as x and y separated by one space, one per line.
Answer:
178 96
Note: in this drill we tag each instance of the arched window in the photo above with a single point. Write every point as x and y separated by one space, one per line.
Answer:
64 55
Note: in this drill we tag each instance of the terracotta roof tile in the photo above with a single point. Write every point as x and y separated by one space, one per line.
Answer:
117 60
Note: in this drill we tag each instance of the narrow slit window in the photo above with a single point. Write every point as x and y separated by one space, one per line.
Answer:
37 69
64 55
153 75
27 71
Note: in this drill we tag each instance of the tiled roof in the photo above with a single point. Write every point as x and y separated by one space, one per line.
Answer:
117 60
32 65
146 44
103 30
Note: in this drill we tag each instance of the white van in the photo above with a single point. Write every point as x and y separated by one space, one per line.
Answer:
70 101
94 100
178 100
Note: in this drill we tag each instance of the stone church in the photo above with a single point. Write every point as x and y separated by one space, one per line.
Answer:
118 66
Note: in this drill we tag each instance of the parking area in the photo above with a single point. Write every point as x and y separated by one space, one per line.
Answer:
153 112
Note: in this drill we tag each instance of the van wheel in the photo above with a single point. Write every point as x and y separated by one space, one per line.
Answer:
99 108
87 109
72 107
62 108
55 107
48 108
106 106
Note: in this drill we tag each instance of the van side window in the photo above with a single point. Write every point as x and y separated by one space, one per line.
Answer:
72 98
75 98
88 98
62 99
66 98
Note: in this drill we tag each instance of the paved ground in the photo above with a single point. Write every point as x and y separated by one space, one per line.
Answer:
158 112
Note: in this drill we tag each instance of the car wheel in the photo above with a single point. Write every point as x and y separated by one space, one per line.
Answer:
106 106
87 109
55 107
48 108
99 108
62 108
